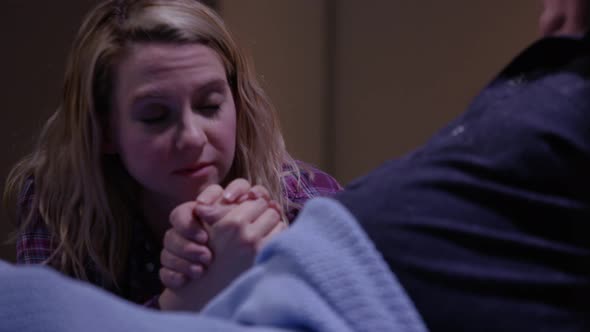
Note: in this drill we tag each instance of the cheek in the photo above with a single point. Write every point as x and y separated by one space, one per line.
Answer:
141 153
228 136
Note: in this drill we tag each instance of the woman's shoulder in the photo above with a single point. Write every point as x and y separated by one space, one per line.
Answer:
307 181
302 182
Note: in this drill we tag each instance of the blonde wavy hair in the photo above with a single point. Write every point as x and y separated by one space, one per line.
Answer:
83 195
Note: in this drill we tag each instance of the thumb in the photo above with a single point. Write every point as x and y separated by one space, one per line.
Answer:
210 214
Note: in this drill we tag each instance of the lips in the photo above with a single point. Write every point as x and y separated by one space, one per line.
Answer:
191 169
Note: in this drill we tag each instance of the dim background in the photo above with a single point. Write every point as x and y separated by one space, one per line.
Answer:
356 82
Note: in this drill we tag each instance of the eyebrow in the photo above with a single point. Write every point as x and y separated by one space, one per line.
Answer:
202 88
214 85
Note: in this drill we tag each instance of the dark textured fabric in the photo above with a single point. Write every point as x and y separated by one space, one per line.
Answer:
487 226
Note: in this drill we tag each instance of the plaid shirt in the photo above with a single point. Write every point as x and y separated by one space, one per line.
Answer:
142 284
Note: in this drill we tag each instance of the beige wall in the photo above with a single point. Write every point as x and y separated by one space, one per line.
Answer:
287 40
356 82
359 82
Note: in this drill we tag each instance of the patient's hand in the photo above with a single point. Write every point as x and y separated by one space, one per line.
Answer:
564 17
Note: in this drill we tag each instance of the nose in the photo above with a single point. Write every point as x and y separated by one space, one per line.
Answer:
191 134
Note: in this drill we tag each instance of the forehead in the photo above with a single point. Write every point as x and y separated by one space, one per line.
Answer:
151 63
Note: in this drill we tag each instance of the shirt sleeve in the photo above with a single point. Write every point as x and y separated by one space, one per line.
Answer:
153 303
33 244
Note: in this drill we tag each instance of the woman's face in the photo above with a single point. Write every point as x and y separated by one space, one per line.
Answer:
174 120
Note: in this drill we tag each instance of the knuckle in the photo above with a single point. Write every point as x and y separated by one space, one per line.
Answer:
274 214
205 255
187 248
169 261
214 188
197 270
168 237
234 224
261 191
169 278
248 240
181 215
163 276
206 212
174 214
163 256
241 182
276 206
177 213
219 211
183 224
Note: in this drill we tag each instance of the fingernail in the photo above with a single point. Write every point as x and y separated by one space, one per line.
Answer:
228 196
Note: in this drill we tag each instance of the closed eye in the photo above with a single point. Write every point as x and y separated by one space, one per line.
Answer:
208 110
154 114
154 120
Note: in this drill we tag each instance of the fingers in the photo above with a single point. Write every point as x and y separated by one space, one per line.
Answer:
247 225
240 189
182 248
263 225
552 20
281 226
244 214
210 195
564 17
255 192
179 265
210 214
183 221
229 234
215 202
171 279
182 260
260 192
273 204
236 189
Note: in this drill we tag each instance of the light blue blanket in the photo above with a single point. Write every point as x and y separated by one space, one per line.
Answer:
323 274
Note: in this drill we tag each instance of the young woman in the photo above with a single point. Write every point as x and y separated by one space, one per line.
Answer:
158 104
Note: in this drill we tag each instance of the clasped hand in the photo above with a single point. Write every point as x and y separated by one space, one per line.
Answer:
213 240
